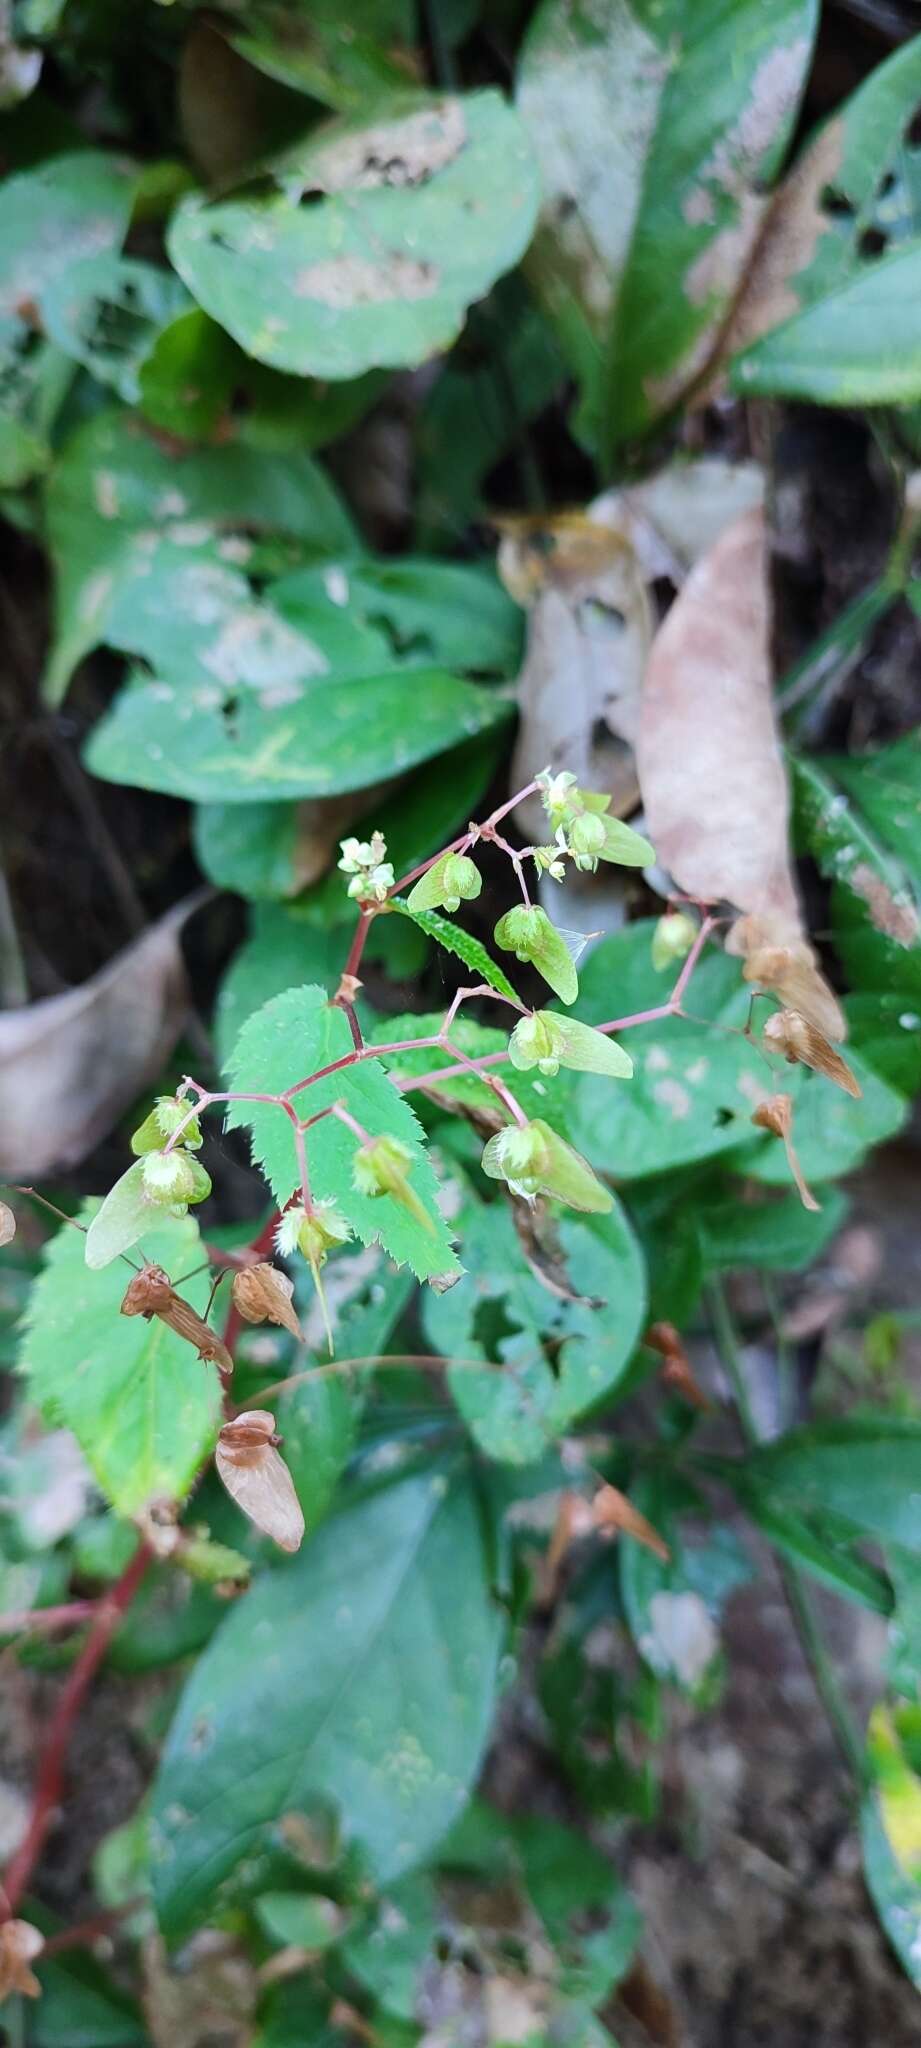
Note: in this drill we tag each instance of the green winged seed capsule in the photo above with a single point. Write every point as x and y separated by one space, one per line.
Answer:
165 1118
672 939
320 1232
625 846
382 1168
453 879
532 1160
168 1177
527 932
551 1042
586 837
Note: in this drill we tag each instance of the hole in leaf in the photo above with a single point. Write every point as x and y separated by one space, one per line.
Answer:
492 1326
872 242
913 130
836 203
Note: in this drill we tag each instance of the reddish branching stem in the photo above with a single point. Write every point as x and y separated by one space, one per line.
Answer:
50 1774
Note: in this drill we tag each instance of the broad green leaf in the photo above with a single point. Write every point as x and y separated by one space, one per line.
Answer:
859 345
107 316
143 1408
58 217
693 1087
142 542
80 2006
300 1920
34 380
380 268
875 923
364 1673
547 1361
657 131
885 1029
257 848
825 1549
293 1036
302 734
430 611
195 378
775 1236
864 1469
852 194
672 1606
456 939
538 1097
342 63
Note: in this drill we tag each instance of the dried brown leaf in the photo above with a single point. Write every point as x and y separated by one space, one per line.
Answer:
539 1238
589 629
803 1045
258 1479
7 1224
20 1943
776 1114
262 1294
710 763
151 1293
573 1520
677 515
69 1066
613 1512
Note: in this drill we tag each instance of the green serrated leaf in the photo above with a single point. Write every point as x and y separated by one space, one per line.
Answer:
143 1408
297 1034
126 1213
455 939
373 1687
379 271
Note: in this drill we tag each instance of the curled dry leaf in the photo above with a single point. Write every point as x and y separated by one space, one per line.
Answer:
261 1294
676 1366
803 1045
7 1224
69 1066
589 630
776 1114
258 1479
20 1943
676 515
710 763
712 772
573 1520
151 1293
613 1513
538 1235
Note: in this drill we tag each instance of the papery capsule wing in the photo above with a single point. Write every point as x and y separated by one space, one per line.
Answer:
260 1483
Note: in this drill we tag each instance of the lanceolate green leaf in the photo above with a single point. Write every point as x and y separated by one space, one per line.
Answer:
380 269
875 921
863 1469
295 1035
143 1408
658 131
859 345
363 1674
456 939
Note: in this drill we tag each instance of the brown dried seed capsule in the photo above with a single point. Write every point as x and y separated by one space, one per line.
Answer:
20 1943
612 1511
804 1045
151 1293
262 1294
258 1479
776 1114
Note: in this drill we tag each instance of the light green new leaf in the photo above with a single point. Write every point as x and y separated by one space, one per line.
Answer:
149 550
143 1408
293 1036
415 214
363 1673
551 1360
657 130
